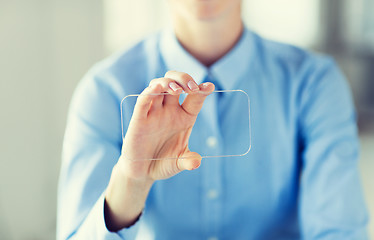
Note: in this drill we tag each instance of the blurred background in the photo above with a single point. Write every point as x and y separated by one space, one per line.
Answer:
47 45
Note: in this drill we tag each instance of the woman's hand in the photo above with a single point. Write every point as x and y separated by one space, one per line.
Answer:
159 129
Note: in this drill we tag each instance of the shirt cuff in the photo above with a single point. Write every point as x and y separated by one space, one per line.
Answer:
95 228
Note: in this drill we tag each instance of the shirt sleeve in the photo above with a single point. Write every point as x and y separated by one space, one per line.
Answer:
332 205
91 148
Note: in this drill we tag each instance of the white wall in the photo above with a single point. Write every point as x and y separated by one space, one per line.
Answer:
45 48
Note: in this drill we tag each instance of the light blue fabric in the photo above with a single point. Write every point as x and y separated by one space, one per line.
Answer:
300 179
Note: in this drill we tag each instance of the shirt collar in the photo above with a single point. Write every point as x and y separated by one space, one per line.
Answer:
227 71
178 59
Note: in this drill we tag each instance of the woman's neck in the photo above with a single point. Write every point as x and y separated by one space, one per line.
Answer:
209 40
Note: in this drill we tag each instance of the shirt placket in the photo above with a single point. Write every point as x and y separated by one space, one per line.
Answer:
212 185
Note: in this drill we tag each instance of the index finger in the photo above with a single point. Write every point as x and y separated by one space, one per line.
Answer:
184 80
144 100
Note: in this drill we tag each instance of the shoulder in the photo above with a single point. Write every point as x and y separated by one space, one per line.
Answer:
298 75
290 59
126 71
137 54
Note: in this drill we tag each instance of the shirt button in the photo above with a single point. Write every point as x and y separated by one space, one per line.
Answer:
211 142
212 194
212 238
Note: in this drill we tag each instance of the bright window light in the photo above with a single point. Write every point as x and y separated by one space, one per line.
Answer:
290 21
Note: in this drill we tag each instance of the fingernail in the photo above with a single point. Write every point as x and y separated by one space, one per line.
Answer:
193 86
205 85
174 86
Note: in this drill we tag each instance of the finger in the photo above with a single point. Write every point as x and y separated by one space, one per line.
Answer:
194 102
184 80
189 161
168 85
144 100
171 87
157 102
171 99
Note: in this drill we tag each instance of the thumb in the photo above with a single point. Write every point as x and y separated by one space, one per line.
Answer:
189 161
193 103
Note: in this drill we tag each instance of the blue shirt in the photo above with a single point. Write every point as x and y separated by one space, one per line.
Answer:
300 179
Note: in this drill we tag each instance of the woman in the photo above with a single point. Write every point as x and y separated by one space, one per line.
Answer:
300 180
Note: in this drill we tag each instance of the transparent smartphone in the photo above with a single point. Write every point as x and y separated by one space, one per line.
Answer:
222 127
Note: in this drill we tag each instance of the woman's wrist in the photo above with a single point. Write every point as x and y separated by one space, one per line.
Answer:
124 199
